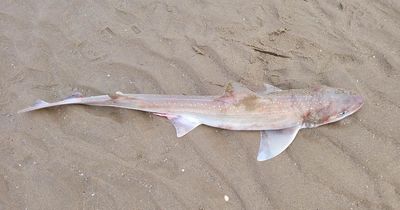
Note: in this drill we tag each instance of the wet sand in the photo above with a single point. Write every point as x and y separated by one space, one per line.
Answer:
79 157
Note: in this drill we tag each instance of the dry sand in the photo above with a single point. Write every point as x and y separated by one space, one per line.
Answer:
79 157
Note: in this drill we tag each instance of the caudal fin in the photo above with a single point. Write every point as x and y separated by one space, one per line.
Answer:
39 104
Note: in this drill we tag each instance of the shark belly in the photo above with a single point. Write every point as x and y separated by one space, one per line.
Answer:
248 122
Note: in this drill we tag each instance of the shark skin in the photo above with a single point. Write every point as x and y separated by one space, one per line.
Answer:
277 114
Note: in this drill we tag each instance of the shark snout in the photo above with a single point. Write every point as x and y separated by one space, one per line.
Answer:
357 102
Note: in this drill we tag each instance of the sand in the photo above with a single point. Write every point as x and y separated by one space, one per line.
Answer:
80 157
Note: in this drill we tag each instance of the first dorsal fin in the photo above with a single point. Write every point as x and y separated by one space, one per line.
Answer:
235 88
235 91
117 95
269 89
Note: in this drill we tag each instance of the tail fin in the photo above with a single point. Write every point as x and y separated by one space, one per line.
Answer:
39 104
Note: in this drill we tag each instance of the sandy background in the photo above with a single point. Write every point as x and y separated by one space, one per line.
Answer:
80 157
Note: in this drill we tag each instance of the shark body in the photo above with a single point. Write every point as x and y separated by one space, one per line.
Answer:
277 114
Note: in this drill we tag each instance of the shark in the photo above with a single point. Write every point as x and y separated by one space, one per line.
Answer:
277 114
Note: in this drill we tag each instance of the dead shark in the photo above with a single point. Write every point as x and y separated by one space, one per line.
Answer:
277 114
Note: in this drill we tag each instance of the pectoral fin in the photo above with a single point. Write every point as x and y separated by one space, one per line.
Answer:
274 142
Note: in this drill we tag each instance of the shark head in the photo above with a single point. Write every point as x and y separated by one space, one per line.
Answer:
329 105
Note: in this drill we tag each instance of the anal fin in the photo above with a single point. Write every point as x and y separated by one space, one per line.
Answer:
182 123
274 142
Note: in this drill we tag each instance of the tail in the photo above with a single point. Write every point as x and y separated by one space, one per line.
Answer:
75 98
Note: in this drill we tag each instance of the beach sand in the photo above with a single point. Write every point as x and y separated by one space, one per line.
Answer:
80 157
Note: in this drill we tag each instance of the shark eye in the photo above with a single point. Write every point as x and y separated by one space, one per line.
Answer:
342 113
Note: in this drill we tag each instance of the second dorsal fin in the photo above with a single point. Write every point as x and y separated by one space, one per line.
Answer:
74 95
